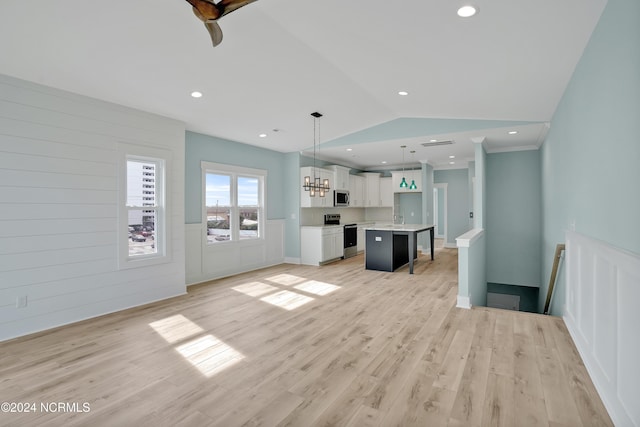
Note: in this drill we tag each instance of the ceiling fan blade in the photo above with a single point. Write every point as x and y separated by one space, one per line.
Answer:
214 31
228 6
199 15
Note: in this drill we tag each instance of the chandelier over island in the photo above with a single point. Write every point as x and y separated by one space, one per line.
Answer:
315 185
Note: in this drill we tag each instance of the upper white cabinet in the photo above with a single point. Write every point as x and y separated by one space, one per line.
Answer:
410 176
372 189
307 201
340 177
356 191
386 192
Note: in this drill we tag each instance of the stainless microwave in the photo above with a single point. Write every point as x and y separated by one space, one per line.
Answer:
340 198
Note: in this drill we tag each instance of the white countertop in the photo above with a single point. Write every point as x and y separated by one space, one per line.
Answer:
399 227
364 224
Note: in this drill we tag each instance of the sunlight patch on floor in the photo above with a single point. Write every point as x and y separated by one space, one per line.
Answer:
176 328
287 300
255 289
318 288
209 354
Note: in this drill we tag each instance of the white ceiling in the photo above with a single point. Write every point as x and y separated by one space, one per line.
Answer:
281 60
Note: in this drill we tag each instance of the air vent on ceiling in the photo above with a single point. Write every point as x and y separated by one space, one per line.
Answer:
433 144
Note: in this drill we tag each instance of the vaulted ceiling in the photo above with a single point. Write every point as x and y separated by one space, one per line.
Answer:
500 71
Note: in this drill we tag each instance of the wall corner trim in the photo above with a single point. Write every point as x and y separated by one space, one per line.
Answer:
464 302
465 240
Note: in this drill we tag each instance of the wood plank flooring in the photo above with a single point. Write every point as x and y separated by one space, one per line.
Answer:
293 345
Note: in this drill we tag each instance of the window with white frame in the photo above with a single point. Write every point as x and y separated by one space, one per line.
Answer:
233 203
145 207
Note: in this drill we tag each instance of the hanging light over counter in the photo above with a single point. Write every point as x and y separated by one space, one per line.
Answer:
403 183
413 185
315 185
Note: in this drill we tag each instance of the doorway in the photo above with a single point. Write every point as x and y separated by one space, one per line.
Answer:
440 210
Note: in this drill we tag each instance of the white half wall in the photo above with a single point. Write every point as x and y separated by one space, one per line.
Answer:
601 313
60 201
472 276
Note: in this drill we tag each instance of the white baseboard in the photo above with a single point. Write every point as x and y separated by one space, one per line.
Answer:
463 302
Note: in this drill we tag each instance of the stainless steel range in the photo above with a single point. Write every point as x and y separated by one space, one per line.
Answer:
350 240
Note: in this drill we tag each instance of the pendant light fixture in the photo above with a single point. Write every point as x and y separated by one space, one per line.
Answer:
315 186
413 185
403 183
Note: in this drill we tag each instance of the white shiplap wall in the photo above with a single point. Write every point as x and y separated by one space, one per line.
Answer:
59 207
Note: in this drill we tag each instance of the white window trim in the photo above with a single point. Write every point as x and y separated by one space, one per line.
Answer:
163 227
234 172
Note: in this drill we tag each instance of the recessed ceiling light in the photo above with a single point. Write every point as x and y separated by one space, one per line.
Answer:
433 140
513 132
196 94
452 163
349 149
403 93
263 135
452 157
384 162
467 11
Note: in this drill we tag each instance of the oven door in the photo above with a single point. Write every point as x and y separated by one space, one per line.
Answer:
350 240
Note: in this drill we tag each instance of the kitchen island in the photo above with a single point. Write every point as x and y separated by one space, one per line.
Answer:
388 247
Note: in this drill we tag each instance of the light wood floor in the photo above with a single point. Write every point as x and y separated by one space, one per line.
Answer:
308 346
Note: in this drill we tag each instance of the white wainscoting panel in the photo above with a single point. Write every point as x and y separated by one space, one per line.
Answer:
207 262
194 233
602 315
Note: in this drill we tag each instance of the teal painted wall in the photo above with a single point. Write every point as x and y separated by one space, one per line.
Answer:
514 218
427 203
200 147
479 203
440 193
472 174
411 203
590 158
457 201
472 282
292 205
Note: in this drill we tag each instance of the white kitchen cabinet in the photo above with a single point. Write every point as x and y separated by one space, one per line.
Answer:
409 175
321 244
332 243
340 177
386 192
307 201
356 191
372 189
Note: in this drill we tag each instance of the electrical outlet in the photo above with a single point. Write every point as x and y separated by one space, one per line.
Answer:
470 214
21 301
